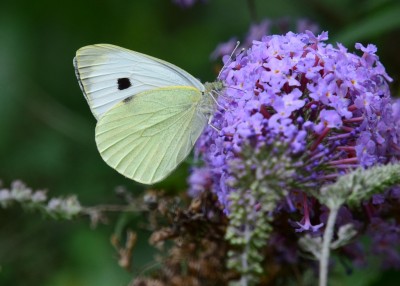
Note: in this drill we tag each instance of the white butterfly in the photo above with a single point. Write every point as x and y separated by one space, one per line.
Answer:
150 112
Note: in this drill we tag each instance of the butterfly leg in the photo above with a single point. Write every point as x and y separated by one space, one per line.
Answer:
215 100
212 126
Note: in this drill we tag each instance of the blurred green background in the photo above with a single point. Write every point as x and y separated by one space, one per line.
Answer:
47 129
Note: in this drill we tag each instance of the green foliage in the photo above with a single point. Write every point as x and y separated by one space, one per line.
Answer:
360 185
351 189
379 17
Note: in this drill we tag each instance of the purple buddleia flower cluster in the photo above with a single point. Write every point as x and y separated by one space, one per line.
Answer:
330 107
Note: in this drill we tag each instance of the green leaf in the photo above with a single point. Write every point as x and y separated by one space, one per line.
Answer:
380 22
360 185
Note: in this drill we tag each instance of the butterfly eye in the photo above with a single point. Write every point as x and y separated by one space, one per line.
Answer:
124 83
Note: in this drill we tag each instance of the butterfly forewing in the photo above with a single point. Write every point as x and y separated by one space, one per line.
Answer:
109 74
145 137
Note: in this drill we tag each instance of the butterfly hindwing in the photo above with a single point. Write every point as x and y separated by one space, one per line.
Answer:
146 136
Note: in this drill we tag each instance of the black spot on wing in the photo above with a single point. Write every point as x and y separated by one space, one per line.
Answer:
124 83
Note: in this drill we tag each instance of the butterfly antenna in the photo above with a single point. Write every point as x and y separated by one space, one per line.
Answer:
230 58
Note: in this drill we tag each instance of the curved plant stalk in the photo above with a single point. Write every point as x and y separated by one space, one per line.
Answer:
351 189
326 246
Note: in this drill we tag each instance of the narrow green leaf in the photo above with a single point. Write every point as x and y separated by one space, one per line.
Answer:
372 25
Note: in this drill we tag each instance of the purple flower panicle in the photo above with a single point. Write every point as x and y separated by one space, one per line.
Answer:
331 107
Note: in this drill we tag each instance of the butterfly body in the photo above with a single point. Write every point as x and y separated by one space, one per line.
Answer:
150 113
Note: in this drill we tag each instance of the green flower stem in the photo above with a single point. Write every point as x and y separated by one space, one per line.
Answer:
326 246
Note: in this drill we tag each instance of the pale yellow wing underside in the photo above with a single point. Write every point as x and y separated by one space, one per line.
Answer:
146 136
